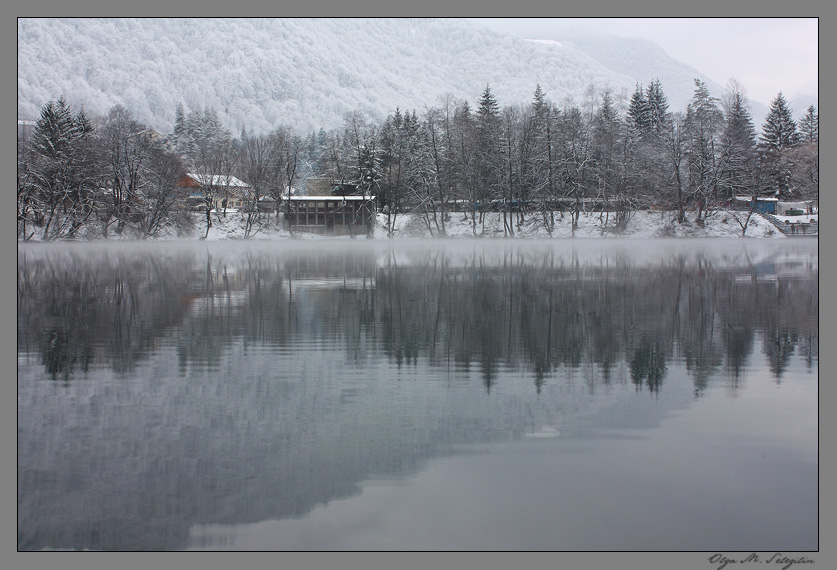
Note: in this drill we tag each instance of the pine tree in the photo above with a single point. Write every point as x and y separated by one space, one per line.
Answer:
805 156
65 168
213 128
657 107
56 129
702 126
464 156
488 111
739 131
605 130
738 144
538 102
369 168
661 150
639 111
638 144
809 126
179 130
779 137
489 169
85 127
543 156
779 129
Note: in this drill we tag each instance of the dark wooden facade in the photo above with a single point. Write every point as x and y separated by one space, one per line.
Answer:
330 215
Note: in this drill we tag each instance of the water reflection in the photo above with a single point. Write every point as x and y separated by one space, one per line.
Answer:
163 387
534 310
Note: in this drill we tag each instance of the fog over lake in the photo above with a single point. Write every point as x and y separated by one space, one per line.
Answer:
445 395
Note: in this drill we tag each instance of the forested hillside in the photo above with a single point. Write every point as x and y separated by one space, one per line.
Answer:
304 73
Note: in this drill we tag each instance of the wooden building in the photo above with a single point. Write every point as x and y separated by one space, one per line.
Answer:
330 215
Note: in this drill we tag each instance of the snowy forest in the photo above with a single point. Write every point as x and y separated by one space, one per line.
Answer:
308 73
86 177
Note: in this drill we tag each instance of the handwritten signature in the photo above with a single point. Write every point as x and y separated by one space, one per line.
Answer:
778 558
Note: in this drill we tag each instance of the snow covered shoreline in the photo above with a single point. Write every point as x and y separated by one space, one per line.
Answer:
644 225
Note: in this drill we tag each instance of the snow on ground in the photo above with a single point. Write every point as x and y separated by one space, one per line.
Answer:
803 219
643 225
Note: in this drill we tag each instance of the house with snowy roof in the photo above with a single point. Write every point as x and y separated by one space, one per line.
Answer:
221 187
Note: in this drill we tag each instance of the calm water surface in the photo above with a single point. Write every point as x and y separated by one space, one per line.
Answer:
340 395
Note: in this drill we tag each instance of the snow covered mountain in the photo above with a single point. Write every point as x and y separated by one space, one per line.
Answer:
308 73
803 98
643 58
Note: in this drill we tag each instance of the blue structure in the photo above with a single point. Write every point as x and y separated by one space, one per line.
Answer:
766 205
763 205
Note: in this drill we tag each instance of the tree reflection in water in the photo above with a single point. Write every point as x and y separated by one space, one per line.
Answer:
537 311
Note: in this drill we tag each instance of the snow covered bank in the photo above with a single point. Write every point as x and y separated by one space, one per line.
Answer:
643 225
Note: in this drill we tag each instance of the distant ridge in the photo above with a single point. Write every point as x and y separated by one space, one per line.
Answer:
643 58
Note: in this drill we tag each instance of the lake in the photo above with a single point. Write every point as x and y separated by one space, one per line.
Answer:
602 395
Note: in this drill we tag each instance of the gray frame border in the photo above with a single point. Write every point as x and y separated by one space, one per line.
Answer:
379 8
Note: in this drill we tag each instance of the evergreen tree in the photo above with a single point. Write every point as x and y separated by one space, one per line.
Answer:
639 112
465 156
65 170
779 136
538 103
417 178
805 156
56 130
738 145
489 170
606 121
544 151
738 126
657 107
488 110
638 159
85 127
606 126
661 150
779 130
702 127
213 128
179 124
369 168
809 126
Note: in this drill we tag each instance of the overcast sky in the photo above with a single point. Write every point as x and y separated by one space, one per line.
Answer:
766 55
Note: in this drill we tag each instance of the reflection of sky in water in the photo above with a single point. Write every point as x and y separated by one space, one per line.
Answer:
721 473
281 417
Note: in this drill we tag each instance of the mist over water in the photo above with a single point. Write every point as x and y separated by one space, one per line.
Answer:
255 396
